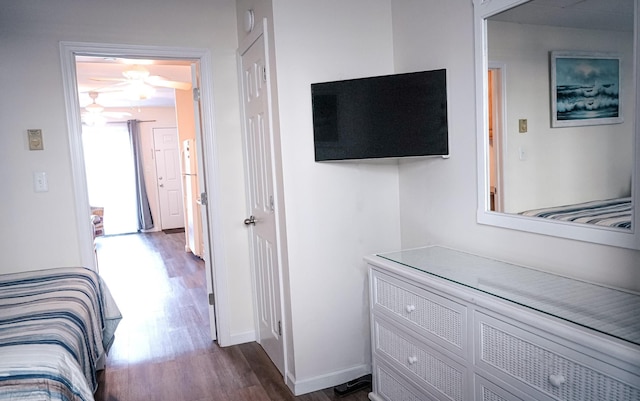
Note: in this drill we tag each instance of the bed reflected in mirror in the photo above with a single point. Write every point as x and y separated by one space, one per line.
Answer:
556 110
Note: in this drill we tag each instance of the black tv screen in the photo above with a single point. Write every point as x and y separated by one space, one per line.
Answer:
381 117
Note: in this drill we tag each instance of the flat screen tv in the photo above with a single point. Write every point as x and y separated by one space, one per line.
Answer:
388 116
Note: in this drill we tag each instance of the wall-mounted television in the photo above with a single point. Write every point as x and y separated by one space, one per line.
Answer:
388 116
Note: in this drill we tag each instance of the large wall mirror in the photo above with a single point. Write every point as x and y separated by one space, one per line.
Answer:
557 94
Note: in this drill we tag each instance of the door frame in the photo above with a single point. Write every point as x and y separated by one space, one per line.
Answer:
214 260
499 127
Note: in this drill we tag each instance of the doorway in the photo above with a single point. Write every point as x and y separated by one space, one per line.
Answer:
192 57
141 95
496 112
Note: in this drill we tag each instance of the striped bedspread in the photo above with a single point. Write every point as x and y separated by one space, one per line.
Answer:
55 326
609 213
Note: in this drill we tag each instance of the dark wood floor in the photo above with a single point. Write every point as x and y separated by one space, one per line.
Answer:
163 349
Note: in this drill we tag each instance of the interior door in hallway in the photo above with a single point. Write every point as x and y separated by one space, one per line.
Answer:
203 208
262 223
169 177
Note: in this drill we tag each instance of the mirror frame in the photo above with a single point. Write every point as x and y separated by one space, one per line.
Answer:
484 9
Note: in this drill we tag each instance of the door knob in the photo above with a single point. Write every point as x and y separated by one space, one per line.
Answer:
250 220
161 185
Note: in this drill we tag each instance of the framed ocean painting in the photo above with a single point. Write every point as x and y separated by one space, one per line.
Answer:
585 89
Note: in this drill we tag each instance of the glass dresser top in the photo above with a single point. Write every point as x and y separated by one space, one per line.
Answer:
604 309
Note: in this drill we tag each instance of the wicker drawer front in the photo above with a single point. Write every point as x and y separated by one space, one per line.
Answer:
486 390
548 367
438 318
436 372
491 394
390 386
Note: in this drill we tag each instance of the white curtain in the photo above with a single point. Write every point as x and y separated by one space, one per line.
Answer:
110 174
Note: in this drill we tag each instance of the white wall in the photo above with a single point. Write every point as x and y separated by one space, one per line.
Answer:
33 97
562 165
336 212
438 197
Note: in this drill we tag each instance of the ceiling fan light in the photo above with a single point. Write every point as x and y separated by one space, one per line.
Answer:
93 119
147 91
94 108
137 73
141 91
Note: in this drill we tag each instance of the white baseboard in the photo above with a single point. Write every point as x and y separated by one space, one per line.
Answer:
332 379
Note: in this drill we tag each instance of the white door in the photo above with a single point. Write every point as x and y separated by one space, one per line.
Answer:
262 222
169 178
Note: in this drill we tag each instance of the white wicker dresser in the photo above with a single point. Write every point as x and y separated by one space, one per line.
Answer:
448 325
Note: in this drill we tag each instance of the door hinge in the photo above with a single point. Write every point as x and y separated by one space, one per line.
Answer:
211 300
196 94
280 327
264 73
203 199
271 203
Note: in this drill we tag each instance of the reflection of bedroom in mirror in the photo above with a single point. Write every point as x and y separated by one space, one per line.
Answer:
578 174
529 161
495 103
492 150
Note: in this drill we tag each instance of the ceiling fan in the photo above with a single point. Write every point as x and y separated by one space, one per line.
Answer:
138 80
94 112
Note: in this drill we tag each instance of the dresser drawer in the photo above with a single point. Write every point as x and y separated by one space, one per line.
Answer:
520 357
441 320
422 362
487 390
391 386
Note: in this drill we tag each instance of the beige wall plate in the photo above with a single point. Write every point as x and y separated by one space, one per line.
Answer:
35 139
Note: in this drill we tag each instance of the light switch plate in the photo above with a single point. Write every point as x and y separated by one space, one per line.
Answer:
35 139
522 125
40 183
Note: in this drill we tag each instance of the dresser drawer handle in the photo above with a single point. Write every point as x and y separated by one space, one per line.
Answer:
410 308
557 380
412 360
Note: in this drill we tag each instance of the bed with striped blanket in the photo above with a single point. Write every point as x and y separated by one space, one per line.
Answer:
608 213
56 326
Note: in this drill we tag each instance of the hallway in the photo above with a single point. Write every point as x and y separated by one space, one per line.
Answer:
163 349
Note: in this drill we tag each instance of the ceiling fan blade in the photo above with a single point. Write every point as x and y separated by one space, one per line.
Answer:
159 81
121 87
109 79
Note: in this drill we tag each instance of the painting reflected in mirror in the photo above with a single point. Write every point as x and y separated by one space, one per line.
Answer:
580 171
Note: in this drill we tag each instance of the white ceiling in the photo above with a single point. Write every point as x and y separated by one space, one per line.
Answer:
614 15
112 95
